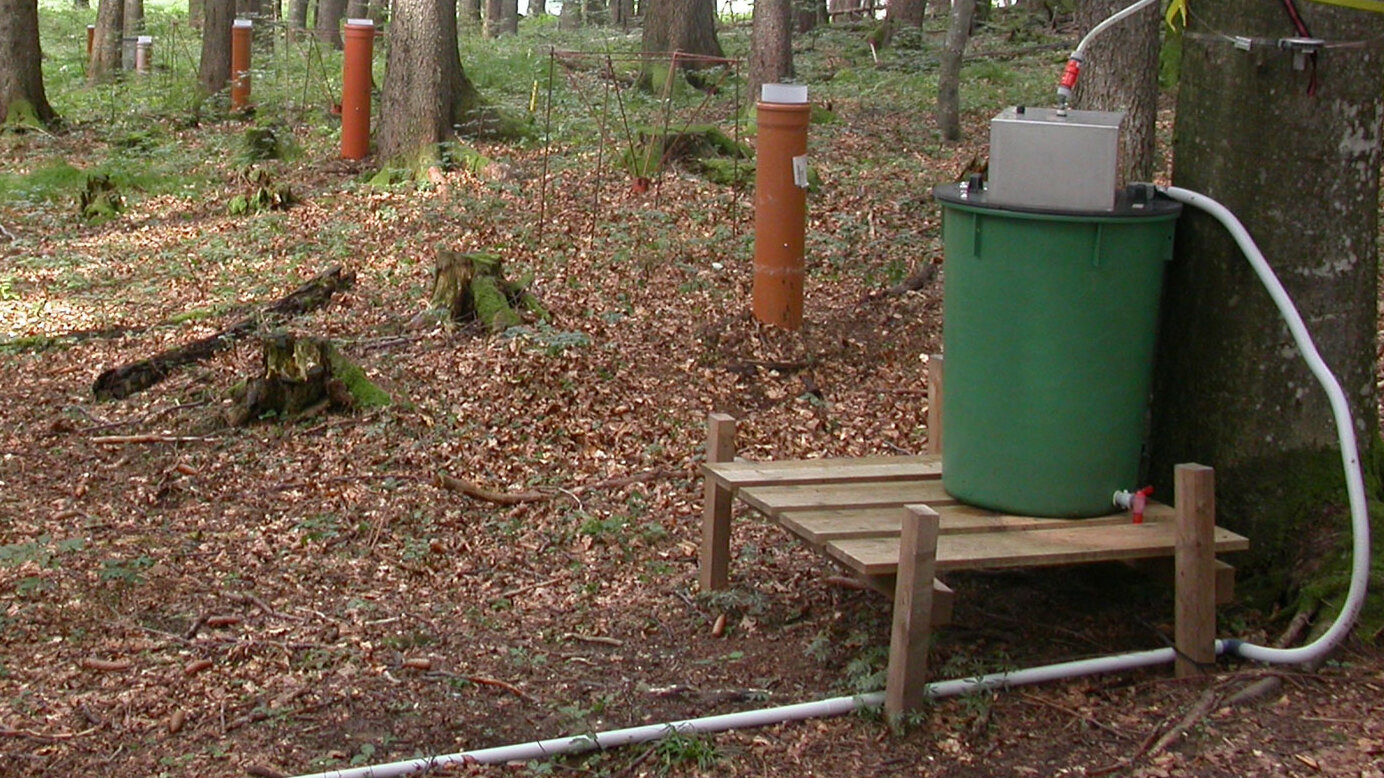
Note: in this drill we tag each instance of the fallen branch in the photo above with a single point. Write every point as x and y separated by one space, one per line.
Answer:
119 383
8 732
113 440
1205 704
602 639
532 586
482 680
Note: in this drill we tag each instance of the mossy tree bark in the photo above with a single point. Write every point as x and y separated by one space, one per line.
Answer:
105 45
1123 76
302 376
771 44
1296 155
427 97
214 72
472 287
22 99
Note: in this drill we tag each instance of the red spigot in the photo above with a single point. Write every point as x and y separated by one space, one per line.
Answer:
1141 500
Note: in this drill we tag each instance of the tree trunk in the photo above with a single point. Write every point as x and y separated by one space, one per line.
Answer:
470 13
1296 155
302 377
297 16
509 18
682 26
378 10
105 48
196 13
938 8
22 99
131 27
807 14
472 287
538 8
905 12
426 93
215 68
570 18
328 24
1122 75
949 72
622 13
494 18
771 45
357 9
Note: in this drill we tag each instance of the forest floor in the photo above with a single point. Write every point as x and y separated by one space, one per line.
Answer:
179 597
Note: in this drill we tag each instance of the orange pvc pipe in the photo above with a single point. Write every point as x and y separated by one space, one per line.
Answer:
355 89
91 37
241 34
780 214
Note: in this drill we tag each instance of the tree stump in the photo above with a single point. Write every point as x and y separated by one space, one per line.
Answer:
303 376
472 287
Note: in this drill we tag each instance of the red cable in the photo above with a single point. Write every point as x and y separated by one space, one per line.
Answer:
1302 30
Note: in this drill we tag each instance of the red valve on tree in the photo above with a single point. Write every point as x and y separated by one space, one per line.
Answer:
1069 77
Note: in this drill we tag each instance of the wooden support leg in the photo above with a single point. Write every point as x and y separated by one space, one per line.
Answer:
906 686
1195 563
934 405
715 556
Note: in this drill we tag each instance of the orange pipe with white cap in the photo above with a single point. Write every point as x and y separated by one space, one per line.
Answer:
355 88
780 205
241 32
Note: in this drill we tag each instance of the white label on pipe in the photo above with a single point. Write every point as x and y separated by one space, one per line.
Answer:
800 171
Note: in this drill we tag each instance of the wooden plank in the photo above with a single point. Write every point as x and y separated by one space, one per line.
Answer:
714 560
818 527
934 405
773 500
1194 619
1030 548
741 474
906 682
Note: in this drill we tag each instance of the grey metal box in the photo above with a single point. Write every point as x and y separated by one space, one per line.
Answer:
1039 159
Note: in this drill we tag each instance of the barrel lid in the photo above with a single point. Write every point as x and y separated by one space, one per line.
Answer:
1135 200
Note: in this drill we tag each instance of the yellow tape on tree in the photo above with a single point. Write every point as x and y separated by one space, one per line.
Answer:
1178 8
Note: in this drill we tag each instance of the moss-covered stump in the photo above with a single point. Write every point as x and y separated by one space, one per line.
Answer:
472 287
695 145
100 201
302 376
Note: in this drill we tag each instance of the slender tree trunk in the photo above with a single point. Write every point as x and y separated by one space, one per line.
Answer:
1123 76
22 99
1296 155
771 45
328 24
570 18
905 12
196 12
426 93
494 17
131 27
357 9
807 14
622 13
949 72
938 8
509 18
215 69
105 48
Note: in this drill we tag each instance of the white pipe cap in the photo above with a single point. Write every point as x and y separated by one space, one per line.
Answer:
243 23
360 22
145 40
784 93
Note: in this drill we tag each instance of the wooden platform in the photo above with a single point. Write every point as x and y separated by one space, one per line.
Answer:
888 521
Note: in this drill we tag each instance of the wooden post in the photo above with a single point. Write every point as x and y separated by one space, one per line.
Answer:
715 557
908 642
1195 563
934 405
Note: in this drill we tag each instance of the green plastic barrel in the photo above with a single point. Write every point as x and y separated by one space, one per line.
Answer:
1049 326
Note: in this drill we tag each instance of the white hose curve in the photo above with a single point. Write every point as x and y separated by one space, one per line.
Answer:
1108 22
837 706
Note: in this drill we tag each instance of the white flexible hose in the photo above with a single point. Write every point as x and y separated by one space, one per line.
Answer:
836 706
1345 433
1112 20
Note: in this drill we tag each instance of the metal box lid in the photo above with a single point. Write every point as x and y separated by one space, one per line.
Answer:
1039 159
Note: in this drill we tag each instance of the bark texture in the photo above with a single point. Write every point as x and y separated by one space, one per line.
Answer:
22 99
427 97
686 26
105 47
936 8
297 16
949 72
1301 171
807 14
905 12
215 69
771 45
1122 75
328 23
470 13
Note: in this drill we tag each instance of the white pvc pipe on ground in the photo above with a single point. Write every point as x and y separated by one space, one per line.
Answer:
836 706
